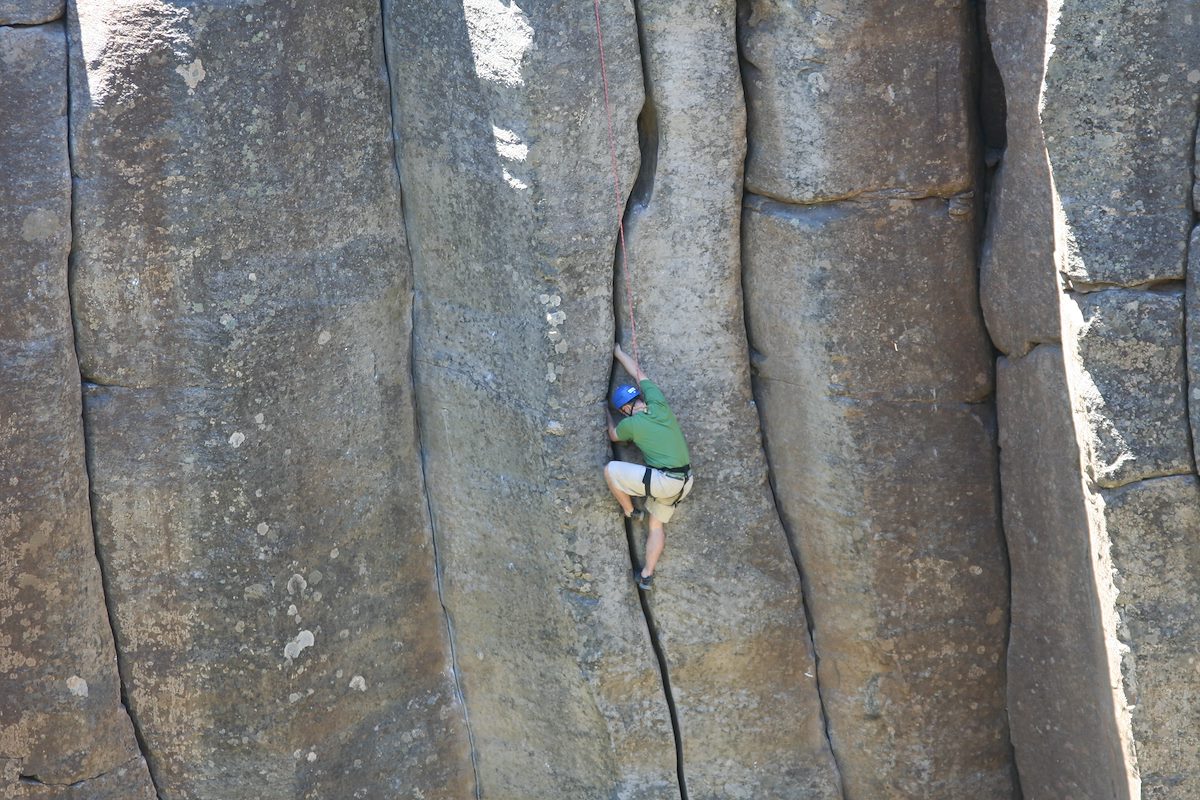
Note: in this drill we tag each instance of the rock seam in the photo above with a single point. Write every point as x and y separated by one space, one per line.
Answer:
110 611
437 559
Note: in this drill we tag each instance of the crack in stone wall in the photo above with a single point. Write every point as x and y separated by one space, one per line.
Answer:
431 521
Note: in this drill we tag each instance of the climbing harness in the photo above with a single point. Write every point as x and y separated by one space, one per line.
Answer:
683 473
612 152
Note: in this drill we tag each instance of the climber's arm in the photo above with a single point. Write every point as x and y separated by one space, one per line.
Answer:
631 366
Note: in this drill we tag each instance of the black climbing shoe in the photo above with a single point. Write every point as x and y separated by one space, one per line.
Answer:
644 582
636 515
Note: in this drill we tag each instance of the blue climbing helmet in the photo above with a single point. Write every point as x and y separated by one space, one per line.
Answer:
624 394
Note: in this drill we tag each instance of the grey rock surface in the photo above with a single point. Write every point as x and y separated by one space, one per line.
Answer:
1152 526
1130 384
1063 696
128 781
61 717
242 293
510 207
30 12
855 96
1019 284
1192 338
727 604
870 360
1119 121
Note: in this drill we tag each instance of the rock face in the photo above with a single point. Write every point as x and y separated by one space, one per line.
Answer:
1090 430
873 373
336 286
728 607
61 717
242 310
505 164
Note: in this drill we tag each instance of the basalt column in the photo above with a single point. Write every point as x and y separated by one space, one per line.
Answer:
727 605
874 377
1087 246
61 718
242 292
502 147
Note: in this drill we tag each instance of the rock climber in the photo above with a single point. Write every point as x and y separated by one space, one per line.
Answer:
666 477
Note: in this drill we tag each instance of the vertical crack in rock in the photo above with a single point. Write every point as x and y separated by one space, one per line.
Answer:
1188 289
88 455
89 465
805 588
991 110
747 69
643 186
643 190
437 558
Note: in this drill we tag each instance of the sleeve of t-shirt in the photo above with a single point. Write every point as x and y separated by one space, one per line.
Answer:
652 393
625 435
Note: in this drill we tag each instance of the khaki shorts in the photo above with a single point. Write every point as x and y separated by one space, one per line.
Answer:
629 479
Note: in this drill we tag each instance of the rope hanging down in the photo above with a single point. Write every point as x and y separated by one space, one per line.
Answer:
612 151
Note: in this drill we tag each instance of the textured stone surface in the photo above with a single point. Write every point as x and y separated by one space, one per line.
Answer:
242 291
30 12
61 718
1062 692
828 83
128 781
1192 338
1119 122
509 201
727 601
869 352
1018 279
1129 382
1153 528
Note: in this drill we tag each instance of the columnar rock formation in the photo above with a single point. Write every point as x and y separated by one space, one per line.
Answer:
308 312
1082 268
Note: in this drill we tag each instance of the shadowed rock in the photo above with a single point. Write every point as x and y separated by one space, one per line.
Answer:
1063 698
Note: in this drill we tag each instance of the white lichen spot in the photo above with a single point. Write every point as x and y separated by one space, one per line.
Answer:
294 696
77 686
312 756
192 74
543 298
239 627
315 577
358 683
296 583
255 591
292 610
500 36
252 277
324 337
263 528
258 418
237 438
296 646
976 569
40 225
228 321
1194 76
333 553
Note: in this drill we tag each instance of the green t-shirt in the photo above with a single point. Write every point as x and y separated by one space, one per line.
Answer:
655 431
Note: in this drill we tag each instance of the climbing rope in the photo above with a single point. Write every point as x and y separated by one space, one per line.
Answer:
612 152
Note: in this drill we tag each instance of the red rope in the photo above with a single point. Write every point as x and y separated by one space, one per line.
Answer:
612 151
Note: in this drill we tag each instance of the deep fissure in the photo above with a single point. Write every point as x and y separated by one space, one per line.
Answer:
745 67
1187 289
88 456
639 197
991 117
448 620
